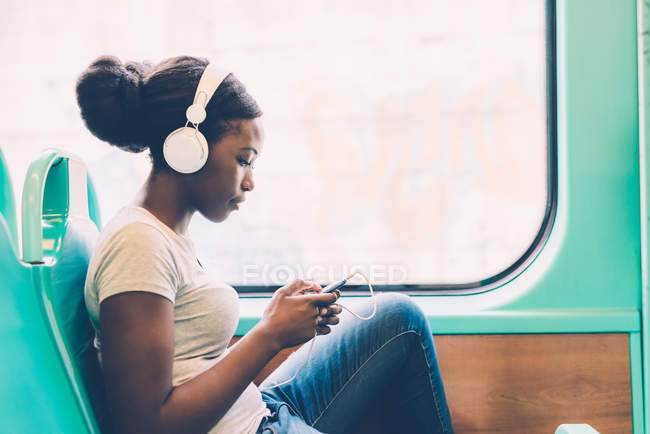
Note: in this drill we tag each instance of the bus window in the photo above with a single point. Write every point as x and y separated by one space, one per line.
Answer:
408 141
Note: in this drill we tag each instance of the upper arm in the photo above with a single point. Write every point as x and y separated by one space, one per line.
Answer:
137 357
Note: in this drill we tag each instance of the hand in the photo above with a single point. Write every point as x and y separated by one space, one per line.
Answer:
294 314
328 316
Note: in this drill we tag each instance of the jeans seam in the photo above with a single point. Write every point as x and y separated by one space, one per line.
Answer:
358 369
433 390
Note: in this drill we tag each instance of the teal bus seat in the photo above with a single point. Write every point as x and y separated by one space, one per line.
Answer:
60 225
7 203
36 389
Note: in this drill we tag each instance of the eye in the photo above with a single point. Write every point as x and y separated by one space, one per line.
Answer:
243 162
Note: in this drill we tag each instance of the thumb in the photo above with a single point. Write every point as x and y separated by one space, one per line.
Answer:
322 299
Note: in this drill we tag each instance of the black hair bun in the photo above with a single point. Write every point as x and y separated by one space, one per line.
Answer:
109 94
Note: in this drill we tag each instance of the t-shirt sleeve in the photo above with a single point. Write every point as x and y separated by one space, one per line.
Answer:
138 257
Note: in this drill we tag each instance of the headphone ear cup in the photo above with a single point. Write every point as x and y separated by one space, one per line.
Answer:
185 150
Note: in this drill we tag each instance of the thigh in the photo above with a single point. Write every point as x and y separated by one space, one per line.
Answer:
351 366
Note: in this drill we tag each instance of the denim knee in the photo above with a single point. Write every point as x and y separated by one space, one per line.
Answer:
399 311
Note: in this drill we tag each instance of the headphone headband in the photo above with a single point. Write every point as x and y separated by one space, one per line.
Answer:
210 80
186 149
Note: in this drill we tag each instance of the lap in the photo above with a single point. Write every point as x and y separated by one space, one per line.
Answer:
351 366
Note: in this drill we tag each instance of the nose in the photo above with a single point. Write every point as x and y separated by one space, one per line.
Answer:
247 183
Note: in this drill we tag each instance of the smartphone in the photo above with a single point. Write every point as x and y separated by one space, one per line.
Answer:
334 286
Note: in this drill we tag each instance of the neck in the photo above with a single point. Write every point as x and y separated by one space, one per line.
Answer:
163 196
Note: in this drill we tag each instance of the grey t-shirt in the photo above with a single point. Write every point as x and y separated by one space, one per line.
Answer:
137 252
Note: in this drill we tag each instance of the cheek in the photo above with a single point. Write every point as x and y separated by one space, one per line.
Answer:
220 189
213 188
206 192
217 180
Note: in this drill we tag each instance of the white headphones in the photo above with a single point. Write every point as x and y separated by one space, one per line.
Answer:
186 149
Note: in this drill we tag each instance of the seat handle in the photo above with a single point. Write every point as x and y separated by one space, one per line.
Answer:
70 192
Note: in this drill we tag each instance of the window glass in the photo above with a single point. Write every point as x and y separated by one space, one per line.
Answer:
406 139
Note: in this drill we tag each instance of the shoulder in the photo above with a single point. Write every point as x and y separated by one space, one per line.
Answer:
135 257
138 234
137 246
132 228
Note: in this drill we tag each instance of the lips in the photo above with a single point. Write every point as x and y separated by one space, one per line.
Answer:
236 201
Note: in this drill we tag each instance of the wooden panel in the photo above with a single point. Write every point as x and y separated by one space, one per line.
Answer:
531 383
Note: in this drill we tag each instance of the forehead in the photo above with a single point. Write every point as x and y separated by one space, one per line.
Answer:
246 135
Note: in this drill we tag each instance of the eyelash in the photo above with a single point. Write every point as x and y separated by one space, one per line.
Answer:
244 163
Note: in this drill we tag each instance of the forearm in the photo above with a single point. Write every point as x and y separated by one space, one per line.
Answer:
197 405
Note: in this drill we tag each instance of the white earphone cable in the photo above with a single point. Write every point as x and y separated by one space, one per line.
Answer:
372 295
311 346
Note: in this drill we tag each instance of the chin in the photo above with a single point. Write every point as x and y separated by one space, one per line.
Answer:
215 216
218 218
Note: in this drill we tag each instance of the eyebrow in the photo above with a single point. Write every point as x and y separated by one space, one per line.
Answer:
251 148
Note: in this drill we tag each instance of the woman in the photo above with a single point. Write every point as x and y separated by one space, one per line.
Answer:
163 323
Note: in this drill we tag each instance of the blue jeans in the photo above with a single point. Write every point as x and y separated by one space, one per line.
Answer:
386 367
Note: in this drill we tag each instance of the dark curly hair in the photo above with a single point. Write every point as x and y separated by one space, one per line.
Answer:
134 106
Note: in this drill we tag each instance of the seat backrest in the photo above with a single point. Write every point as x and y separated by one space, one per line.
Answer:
35 390
7 203
60 225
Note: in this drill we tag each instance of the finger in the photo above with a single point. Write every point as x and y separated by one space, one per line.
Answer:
329 320
296 286
283 291
312 288
337 293
323 330
322 299
300 286
334 309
